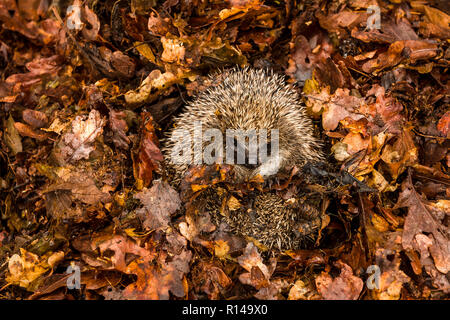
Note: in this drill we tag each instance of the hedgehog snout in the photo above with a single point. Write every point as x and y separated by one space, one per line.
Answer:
270 167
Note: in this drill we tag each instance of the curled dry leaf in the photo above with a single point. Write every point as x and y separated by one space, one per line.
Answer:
157 273
304 58
400 154
37 68
120 246
344 19
259 274
335 107
27 131
303 291
151 88
13 19
119 128
399 51
81 186
444 124
436 16
196 223
174 50
115 64
158 25
390 31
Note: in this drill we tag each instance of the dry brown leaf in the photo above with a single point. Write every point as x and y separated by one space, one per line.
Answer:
209 277
119 128
259 274
399 51
437 17
344 19
34 118
304 58
11 15
89 16
425 217
335 107
391 278
391 31
444 124
11 136
25 269
119 245
151 88
27 131
155 284
148 155
400 154
303 291
78 143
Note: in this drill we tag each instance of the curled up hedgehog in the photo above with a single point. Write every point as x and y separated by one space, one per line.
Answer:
243 101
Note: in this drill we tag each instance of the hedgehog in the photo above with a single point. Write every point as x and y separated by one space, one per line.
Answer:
244 100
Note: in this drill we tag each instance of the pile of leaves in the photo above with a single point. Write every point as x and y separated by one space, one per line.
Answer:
89 88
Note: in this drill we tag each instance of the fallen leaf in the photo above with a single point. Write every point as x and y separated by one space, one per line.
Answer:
155 284
302 291
78 143
211 279
151 88
89 16
444 124
119 128
34 118
425 217
391 279
26 268
148 155
259 274
27 131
